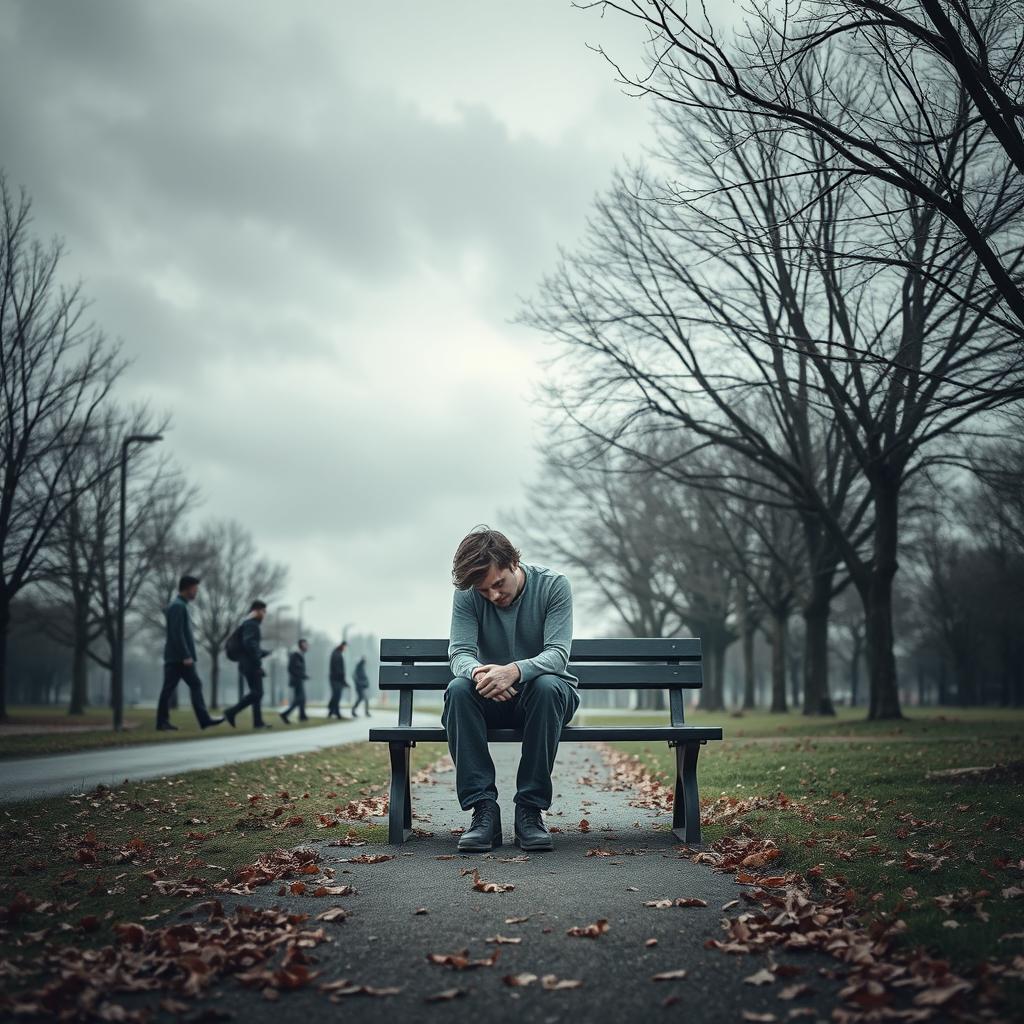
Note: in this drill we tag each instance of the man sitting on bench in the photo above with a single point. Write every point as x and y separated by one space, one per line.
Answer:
509 651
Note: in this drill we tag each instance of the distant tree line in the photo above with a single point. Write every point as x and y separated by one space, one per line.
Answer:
788 352
61 431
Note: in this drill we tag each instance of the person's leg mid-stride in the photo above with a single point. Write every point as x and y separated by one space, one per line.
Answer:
509 652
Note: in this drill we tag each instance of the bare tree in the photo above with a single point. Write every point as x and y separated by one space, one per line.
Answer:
85 544
929 74
56 372
233 575
737 307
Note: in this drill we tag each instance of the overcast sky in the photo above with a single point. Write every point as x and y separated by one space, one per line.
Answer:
310 223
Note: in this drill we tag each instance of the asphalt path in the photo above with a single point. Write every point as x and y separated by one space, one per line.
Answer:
34 777
385 942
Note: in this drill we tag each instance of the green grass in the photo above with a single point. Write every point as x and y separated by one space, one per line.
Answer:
936 722
203 825
859 807
140 727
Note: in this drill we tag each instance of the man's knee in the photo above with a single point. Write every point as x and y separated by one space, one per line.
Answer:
547 689
460 689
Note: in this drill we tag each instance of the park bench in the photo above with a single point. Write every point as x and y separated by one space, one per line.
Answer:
655 663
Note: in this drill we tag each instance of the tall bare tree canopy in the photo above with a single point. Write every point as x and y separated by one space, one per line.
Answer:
927 72
56 372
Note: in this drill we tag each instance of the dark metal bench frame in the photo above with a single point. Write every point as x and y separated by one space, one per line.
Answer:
646 663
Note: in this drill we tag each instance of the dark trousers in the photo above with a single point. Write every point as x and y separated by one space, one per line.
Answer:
361 699
254 680
334 704
540 708
298 699
173 674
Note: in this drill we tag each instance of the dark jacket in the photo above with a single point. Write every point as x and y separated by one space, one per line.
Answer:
362 680
252 652
296 668
180 643
336 672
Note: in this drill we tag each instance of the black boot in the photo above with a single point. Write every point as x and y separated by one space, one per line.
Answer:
531 832
484 832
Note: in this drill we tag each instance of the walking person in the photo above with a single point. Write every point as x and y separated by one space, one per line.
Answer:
297 677
249 661
180 659
362 681
336 677
509 649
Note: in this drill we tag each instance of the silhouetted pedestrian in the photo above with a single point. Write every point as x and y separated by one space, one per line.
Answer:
336 677
362 682
180 659
297 677
251 654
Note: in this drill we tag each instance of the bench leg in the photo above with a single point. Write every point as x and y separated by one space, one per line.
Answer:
400 799
686 802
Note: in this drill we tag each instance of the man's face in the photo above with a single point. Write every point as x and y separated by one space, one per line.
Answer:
499 586
260 614
189 593
303 646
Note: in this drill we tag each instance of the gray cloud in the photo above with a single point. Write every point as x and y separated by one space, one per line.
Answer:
310 224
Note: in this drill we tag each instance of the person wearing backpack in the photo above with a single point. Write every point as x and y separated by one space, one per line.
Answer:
245 641
180 659
297 676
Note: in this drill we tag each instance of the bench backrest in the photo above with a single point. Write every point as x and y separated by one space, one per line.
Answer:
628 663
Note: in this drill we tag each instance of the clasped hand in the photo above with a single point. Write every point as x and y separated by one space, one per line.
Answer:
496 682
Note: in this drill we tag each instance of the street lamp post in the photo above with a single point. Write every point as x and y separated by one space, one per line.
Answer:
117 677
301 603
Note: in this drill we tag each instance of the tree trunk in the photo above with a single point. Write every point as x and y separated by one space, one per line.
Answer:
884 702
5 625
749 697
817 699
779 620
79 676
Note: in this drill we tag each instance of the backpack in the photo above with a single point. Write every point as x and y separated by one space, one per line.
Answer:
233 645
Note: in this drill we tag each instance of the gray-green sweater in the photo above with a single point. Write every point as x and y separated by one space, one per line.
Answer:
535 631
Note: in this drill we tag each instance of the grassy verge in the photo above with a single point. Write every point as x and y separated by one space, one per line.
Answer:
61 733
96 858
936 851
848 722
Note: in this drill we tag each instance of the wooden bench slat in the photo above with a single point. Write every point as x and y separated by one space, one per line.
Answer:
592 677
603 649
426 734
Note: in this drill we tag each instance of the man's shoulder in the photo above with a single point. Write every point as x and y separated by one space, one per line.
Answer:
549 579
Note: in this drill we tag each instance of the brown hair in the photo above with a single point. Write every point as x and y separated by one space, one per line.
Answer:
476 554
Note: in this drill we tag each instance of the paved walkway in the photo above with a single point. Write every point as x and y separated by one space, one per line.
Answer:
34 777
385 943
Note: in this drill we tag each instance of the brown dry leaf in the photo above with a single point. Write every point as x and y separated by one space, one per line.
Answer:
795 991
761 977
481 886
555 984
333 890
503 940
935 995
461 961
516 920
670 975
651 942
445 996
333 914
421 910
584 825
590 931
760 1018
371 858
297 888
520 980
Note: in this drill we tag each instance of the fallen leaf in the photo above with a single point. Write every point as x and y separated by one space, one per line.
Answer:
670 975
